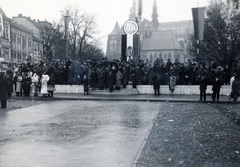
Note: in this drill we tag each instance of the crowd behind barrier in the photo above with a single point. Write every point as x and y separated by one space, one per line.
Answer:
115 75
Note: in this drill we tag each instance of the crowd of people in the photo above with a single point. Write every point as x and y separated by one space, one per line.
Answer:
115 75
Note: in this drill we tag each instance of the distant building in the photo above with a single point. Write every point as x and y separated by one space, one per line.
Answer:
38 42
15 43
166 40
20 40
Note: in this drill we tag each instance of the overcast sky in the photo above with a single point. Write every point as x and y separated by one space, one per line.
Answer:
107 12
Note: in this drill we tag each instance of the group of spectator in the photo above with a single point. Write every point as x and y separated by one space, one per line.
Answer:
113 75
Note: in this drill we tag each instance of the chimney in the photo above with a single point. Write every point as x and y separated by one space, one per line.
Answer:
19 15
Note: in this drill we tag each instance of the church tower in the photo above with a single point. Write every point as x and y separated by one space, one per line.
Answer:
155 22
133 11
114 43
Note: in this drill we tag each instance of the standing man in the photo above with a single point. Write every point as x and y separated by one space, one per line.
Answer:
156 83
217 83
202 86
3 90
111 80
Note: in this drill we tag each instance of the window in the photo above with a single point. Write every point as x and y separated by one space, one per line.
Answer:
18 56
14 55
6 53
24 43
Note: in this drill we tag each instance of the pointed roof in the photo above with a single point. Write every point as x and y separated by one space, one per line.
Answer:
1 11
161 40
155 16
116 29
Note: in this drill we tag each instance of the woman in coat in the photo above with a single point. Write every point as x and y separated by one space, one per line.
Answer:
19 85
51 85
172 83
44 81
3 90
35 81
118 80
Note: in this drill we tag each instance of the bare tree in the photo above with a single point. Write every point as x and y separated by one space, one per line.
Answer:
221 35
82 30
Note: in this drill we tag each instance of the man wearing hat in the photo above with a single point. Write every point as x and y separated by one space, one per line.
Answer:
217 83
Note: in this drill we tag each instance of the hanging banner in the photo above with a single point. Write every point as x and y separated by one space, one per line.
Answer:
198 22
1 24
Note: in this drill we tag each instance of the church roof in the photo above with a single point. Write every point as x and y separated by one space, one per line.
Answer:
161 40
116 29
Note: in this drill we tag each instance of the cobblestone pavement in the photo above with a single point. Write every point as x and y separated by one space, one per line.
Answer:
193 134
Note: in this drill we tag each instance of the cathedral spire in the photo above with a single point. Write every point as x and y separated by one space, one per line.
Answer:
155 22
133 11
116 29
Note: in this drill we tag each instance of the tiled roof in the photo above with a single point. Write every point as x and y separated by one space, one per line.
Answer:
161 40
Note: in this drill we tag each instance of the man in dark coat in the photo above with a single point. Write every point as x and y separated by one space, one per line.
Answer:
156 83
3 90
217 83
202 86
26 84
111 80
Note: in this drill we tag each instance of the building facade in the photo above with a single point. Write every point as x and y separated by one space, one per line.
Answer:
20 41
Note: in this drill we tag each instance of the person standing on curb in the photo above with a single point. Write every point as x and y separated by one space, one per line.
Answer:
118 80
3 90
231 82
111 80
19 84
202 86
156 83
235 88
217 83
51 85
172 83
44 80
35 81
85 84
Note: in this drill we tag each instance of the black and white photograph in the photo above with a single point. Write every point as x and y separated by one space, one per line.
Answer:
120 83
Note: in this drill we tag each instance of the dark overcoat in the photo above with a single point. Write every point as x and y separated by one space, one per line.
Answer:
156 81
3 88
217 83
202 83
111 80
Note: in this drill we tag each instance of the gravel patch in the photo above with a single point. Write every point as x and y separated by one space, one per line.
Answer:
192 134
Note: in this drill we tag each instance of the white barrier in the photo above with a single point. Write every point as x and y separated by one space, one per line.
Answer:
148 89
